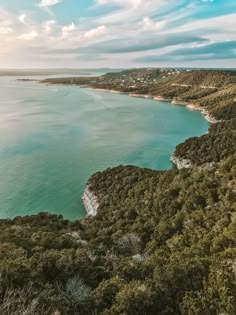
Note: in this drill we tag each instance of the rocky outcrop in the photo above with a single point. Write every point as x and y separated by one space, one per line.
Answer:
180 162
90 202
141 95
162 99
206 114
176 102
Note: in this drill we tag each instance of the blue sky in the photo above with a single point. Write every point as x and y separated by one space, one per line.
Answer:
117 33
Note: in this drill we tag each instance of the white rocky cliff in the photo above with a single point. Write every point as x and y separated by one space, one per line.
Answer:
90 202
180 162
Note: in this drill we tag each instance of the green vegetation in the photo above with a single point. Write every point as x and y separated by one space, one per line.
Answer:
214 146
163 242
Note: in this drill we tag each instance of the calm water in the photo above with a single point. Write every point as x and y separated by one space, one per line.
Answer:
52 138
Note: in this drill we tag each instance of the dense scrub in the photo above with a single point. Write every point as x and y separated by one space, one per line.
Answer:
214 146
163 242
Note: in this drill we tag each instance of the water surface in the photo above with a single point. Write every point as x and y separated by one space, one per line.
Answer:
52 138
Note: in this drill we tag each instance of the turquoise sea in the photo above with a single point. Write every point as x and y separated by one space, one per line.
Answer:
52 138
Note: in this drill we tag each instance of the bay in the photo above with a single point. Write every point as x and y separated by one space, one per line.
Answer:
53 138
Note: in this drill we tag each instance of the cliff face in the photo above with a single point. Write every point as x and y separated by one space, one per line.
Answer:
180 162
90 202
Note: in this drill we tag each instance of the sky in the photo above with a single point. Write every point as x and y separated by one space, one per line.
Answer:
117 33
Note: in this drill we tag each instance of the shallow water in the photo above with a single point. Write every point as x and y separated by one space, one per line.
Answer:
52 138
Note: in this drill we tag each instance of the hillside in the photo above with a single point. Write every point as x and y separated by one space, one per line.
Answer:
162 242
216 145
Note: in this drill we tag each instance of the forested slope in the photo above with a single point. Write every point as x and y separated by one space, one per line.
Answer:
162 243
217 144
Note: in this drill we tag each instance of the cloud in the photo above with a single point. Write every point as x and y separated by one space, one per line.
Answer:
28 36
223 23
5 30
129 11
49 3
6 25
130 48
122 3
143 43
47 26
68 29
214 51
96 32
21 18
150 25
120 32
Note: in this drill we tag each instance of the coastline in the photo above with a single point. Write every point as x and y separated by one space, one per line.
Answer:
190 106
205 113
102 90
89 199
180 163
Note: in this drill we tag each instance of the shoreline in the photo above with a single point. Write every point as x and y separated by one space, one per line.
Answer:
180 163
190 106
89 198
205 113
103 90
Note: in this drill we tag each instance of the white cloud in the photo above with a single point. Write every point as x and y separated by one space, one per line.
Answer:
6 25
49 3
47 26
21 18
224 23
130 11
123 24
96 32
150 25
122 3
67 29
28 36
5 30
